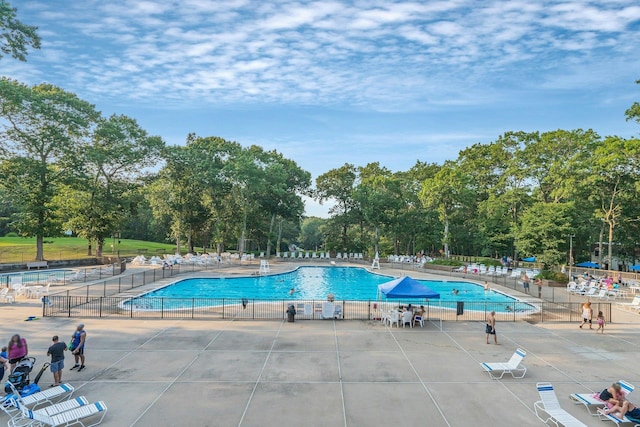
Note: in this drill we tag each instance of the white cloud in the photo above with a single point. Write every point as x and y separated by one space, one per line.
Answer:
378 54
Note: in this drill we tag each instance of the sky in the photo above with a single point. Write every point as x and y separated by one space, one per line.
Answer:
333 82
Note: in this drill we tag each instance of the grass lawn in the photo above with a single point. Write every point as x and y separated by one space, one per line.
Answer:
18 249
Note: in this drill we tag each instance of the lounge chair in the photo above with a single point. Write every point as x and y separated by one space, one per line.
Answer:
46 397
549 404
592 400
604 416
635 303
513 366
67 418
18 419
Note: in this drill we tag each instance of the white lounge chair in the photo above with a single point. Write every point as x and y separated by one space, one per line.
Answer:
67 418
591 401
604 416
17 419
49 396
549 404
513 366
635 303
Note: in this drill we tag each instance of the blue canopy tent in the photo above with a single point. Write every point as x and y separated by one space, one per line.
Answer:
635 267
529 259
588 264
406 287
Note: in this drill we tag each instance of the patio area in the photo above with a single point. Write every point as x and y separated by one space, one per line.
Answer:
328 373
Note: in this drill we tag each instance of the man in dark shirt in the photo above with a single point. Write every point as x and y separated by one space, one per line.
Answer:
56 351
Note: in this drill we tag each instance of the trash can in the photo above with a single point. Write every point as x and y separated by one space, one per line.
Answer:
291 313
460 308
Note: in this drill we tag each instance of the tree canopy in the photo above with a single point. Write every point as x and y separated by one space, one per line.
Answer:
15 37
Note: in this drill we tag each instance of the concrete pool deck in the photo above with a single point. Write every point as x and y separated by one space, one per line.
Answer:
328 373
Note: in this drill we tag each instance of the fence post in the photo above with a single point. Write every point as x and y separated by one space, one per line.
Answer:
104 291
100 309
162 308
193 302
87 300
69 303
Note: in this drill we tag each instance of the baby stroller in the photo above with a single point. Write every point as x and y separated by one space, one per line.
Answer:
20 380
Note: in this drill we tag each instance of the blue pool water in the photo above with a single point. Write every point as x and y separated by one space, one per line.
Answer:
315 283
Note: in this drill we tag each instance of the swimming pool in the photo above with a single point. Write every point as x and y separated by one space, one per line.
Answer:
315 283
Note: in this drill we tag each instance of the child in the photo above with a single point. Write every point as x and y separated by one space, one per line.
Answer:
600 322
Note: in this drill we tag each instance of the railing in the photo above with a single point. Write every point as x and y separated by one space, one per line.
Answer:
86 306
59 277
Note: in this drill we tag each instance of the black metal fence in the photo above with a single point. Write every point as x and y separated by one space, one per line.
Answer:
87 306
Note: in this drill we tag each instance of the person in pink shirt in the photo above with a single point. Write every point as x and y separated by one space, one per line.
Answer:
17 349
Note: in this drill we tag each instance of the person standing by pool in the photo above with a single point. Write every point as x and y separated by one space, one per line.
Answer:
491 327
17 349
56 351
525 282
79 337
587 314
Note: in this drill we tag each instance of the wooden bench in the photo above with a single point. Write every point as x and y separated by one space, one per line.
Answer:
37 264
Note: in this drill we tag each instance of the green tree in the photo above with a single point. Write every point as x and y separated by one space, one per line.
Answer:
15 37
103 197
633 113
338 185
449 193
613 182
41 129
543 232
312 233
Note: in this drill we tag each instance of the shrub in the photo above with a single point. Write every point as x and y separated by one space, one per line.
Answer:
449 262
11 234
553 275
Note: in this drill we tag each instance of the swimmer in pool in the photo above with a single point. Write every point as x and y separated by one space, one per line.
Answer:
292 291
508 308
455 291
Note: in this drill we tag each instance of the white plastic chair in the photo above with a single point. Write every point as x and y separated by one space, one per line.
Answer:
511 367
407 317
418 319
591 400
66 418
549 404
394 317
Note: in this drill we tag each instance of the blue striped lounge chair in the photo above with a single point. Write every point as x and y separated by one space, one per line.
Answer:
513 366
592 402
548 408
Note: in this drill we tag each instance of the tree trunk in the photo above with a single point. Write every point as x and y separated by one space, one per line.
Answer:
609 257
178 233
89 248
446 236
377 237
273 220
99 247
39 248
190 241
600 245
279 236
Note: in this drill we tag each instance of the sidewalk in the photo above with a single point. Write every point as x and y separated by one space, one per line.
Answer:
327 373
